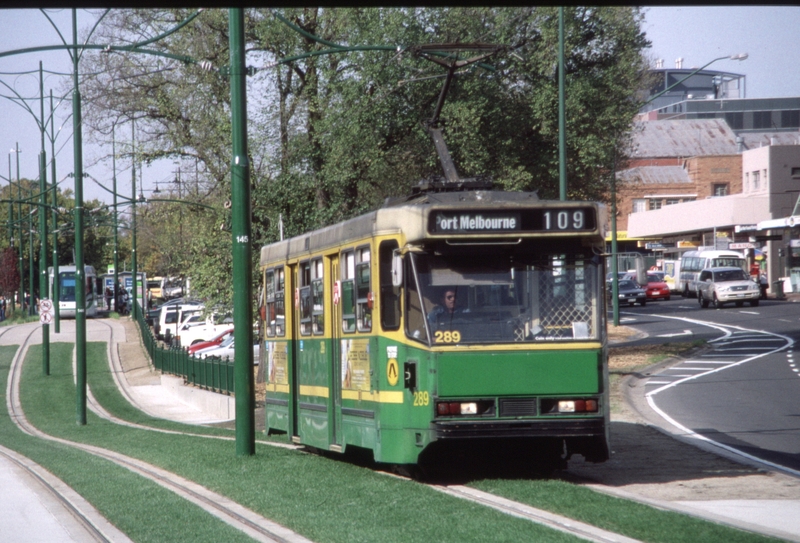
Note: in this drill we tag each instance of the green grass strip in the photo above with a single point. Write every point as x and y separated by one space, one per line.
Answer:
323 499
140 508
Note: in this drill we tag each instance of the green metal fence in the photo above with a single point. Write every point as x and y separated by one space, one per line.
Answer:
211 373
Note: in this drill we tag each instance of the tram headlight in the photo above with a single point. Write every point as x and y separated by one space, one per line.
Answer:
456 408
577 406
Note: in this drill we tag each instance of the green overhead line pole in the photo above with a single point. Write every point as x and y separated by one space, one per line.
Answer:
30 252
244 385
80 276
116 221
43 228
56 286
562 124
20 237
134 264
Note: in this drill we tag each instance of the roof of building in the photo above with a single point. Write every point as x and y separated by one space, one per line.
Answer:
655 175
754 140
682 138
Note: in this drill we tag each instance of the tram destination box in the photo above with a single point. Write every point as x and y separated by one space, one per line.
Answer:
486 221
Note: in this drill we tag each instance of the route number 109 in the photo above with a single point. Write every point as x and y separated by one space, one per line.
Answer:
564 220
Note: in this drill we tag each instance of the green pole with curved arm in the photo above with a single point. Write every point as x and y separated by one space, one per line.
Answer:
43 229
244 385
80 276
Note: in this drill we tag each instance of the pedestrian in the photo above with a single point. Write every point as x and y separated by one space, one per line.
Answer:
763 284
119 303
109 296
2 308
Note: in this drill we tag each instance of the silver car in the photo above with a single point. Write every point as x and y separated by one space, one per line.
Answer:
724 285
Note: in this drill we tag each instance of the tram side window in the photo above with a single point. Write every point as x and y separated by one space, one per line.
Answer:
305 298
276 299
363 292
317 309
269 286
280 303
348 291
390 295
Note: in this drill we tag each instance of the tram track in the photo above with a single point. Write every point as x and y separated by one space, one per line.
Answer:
237 516
233 514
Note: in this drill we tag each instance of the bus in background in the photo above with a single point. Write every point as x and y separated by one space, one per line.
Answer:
67 282
693 262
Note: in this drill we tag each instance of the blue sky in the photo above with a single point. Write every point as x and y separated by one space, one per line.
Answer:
697 34
768 34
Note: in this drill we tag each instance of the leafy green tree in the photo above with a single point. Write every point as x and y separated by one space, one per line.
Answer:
333 135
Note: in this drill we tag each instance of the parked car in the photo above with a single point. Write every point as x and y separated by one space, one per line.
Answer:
226 350
724 285
201 328
656 288
621 275
214 342
153 314
630 292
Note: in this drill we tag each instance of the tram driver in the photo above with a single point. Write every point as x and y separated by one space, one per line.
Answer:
446 311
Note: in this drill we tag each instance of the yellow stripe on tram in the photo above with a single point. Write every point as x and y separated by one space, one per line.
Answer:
309 390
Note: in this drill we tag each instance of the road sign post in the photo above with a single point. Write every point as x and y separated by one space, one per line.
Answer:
46 311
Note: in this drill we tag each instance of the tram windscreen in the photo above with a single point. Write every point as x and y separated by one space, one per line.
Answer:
66 287
504 298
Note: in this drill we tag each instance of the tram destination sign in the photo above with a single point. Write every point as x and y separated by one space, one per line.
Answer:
539 220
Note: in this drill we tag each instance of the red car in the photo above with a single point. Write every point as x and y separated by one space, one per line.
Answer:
656 288
210 343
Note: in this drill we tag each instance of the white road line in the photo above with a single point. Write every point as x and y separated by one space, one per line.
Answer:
650 396
707 362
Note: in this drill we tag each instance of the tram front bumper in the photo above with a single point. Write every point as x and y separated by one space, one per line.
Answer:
594 426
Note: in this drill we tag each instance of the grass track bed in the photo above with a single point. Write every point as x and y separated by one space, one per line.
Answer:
323 499
320 498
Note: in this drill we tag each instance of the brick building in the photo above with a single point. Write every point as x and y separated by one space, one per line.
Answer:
674 162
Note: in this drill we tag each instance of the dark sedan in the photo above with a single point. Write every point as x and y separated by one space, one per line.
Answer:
630 292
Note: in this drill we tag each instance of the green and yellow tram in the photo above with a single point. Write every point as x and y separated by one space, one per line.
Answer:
467 317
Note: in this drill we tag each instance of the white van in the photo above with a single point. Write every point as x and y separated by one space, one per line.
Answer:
693 262
172 316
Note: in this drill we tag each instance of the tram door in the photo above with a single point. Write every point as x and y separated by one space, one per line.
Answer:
294 389
333 287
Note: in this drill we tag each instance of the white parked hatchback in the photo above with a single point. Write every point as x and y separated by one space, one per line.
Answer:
725 285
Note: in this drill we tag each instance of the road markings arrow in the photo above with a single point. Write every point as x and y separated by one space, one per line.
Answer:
684 333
